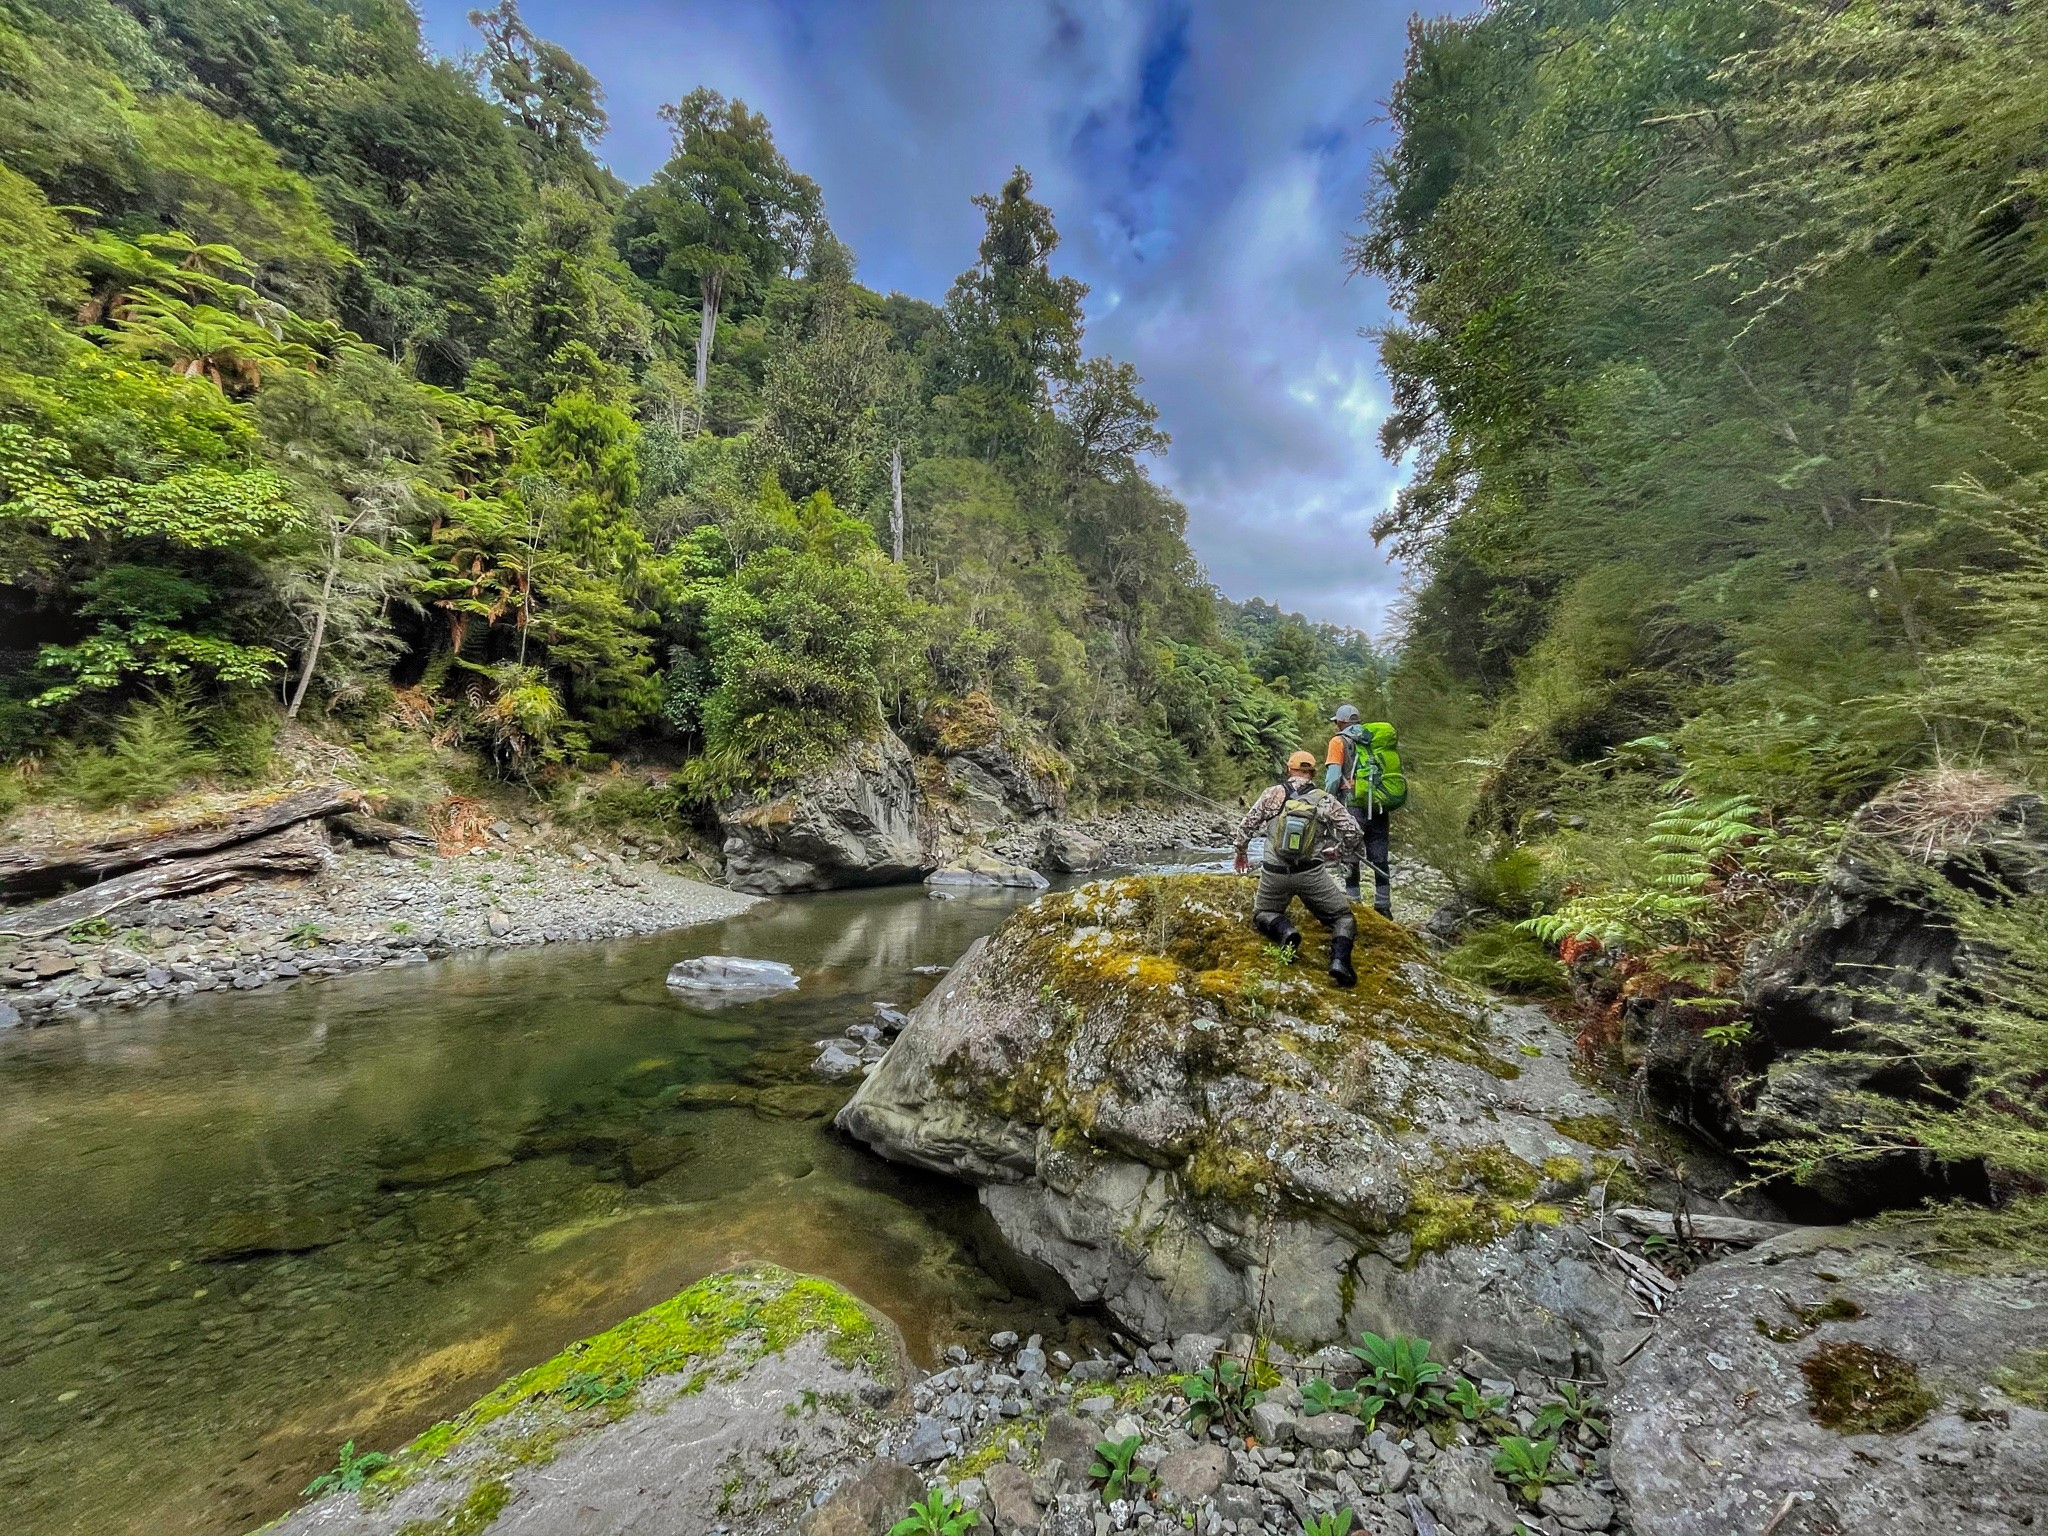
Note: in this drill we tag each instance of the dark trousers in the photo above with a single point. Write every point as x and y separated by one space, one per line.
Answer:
1375 827
1317 888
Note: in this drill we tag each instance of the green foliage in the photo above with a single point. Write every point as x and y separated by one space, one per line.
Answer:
1526 1465
157 748
1503 958
1221 1392
940 1514
1335 1523
1463 1400
1576 1408
349 1473
1115 1468
1398 1369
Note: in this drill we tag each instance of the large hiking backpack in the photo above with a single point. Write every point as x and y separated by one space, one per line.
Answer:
1295 834
1377 781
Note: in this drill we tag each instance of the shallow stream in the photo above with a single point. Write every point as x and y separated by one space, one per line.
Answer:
239 1231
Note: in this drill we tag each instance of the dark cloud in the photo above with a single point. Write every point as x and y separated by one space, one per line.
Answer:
1205 162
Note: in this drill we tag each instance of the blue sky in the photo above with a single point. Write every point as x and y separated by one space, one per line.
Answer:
1205 162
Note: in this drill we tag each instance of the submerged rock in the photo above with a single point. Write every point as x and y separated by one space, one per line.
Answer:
1827 1381
727 1406
715 980
1177 1123
858 821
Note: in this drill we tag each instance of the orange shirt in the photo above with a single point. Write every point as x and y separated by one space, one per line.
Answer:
1334 757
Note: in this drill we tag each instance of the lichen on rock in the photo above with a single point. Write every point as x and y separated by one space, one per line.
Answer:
1168 1114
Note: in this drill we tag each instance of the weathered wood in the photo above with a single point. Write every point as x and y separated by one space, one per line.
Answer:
297 850
373 833
27 872
1713 1229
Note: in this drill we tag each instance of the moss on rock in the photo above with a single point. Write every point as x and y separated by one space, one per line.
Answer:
1473 1196
1861 1390
723 1323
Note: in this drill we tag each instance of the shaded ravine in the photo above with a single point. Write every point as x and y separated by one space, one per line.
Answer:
241 1230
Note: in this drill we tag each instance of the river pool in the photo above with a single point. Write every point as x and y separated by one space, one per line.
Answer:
240 1230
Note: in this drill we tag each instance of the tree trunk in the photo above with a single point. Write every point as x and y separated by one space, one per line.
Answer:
39 871
896 501
291 711
707 329
298 850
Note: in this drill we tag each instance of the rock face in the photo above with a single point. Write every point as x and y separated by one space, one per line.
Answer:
722 1408
857 821
1831 1381
1177 1124
1873 924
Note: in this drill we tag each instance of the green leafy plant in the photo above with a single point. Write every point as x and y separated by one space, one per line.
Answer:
1336 1523
305 935
349 1472
1527 1465
939 1515
588 1389
1398 1369
1465 1401
1323 1396
1727 1034
1116 1469
1576 1407
1219 1393
91 931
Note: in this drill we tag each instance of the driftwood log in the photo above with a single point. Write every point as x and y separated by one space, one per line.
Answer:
1714 1229
28 872
297 850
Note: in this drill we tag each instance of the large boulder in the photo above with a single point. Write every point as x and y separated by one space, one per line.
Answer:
1826 1382
1199 1137
856 821
728 1407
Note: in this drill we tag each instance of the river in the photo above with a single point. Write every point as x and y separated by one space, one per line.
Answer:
243 1229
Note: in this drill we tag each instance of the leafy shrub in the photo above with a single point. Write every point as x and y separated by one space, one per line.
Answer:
1219 1393
939 1515
349 1472
157 749
1527 1465
1116 1469
1504 958
1398 1369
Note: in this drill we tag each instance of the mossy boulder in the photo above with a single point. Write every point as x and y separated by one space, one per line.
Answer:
1831 1380
1194 1133
725 1406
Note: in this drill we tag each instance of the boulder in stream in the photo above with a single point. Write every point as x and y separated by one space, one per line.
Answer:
856 821
979 867
726 1407
714 981
1177 1124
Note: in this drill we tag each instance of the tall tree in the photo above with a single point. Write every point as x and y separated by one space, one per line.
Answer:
555 105
724 215
1015 328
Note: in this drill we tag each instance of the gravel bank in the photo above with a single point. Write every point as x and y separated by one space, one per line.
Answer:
366 911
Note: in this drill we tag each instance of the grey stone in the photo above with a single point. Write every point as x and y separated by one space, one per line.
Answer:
836 1061
1013 1510
1465 1495
1099 1407
499 922
1193 1351
1395 1467
1329 1432
1271 1423
1577 1507
715 980
10 1016
977 867
1029 1361
1189 1476
1070 1441
927 1442
1690 1463
1003 1341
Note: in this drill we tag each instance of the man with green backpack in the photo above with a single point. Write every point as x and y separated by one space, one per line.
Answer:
1363 769
1302 827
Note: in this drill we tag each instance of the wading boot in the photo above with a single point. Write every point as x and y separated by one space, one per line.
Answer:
1340 962
1278 930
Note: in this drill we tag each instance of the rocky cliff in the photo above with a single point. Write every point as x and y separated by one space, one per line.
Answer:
1200 1137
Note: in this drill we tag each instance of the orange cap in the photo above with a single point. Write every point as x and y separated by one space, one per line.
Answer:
1302 765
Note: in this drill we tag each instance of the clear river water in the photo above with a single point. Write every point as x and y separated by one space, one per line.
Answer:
238 1231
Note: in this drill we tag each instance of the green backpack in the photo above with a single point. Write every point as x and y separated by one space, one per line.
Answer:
1377 781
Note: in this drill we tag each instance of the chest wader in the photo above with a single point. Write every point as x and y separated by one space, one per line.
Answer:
1293 867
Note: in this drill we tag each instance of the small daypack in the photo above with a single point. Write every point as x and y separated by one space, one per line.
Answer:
1295 834
1377 781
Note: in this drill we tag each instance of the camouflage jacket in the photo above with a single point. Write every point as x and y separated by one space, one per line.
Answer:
1342 830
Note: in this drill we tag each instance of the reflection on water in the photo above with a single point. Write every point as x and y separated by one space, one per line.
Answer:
242 1230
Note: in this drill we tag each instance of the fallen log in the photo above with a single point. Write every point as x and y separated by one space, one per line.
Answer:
297 850
27 872
1714 1229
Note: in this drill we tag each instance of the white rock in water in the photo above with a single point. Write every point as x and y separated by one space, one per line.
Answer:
730 978
977 866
